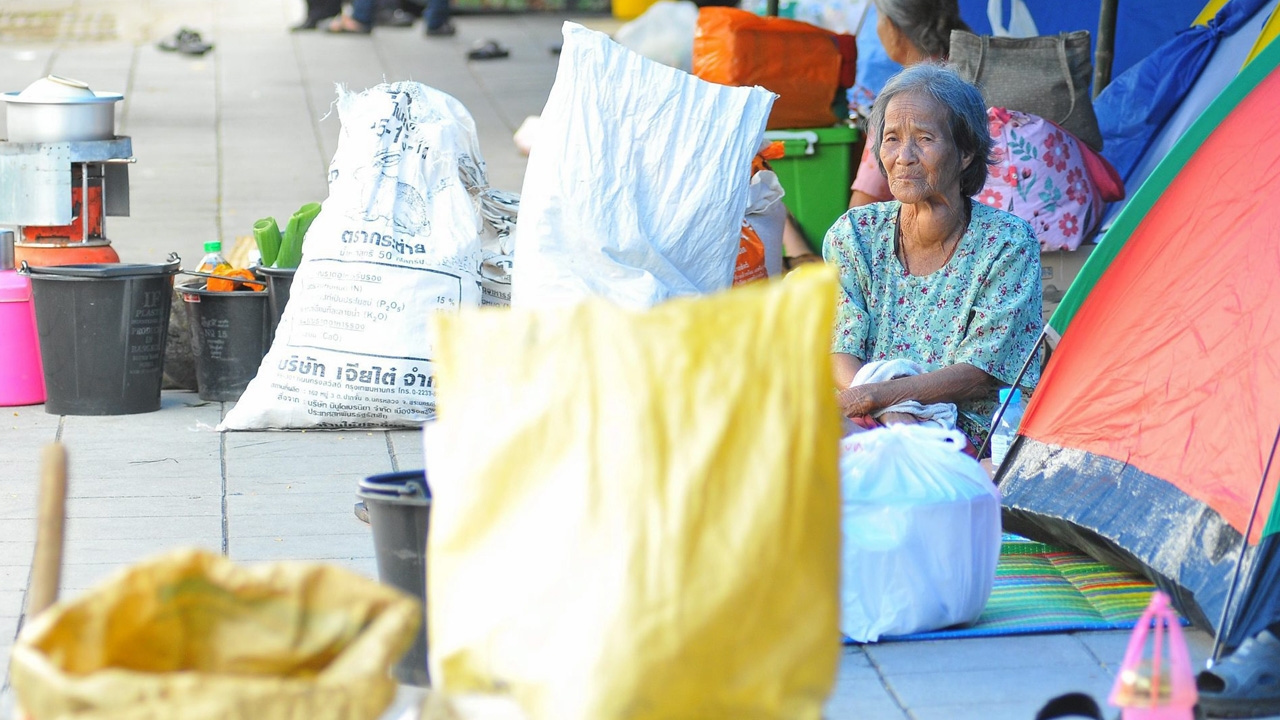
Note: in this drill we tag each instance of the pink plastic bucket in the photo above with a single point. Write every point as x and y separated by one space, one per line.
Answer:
21 377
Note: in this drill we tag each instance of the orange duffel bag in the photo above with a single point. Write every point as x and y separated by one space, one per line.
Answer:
807 66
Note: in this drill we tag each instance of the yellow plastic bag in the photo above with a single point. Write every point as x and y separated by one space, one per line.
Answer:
637 514
191 635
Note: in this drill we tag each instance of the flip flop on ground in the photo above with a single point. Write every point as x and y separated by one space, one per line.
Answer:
185 41
488 50
1246 683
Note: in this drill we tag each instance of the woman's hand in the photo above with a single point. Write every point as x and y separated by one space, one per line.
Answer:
856 401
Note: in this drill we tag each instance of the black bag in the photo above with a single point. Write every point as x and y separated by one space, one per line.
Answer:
1047 76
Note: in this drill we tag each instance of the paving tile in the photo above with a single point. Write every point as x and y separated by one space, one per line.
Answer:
296 481
130 550
11 602
289 503
14 577
859 692
1021 688
901 658
162 529
80 577
1109 647
18 529
335 546
295 524
407 449
125 506
17 552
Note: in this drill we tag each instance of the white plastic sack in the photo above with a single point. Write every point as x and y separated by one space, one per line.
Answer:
397 239
637 187
921 532
768 216
498 213
664 33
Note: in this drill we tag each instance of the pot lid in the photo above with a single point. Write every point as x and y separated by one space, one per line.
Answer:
57 90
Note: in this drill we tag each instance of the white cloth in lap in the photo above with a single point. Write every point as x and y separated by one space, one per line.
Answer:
942 415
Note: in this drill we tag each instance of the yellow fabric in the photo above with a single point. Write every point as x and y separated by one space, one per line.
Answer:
1209 12
192 635
637 514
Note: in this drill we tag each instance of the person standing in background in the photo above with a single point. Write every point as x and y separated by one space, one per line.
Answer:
361 20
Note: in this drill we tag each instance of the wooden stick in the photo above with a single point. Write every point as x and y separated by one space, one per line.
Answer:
46 567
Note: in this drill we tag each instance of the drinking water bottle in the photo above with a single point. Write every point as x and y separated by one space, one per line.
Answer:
1003 434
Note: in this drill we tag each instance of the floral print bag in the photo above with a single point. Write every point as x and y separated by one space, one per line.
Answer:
1040 175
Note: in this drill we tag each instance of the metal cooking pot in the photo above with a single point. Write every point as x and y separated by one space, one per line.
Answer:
55 109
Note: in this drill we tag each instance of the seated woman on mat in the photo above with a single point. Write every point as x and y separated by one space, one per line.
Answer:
946 288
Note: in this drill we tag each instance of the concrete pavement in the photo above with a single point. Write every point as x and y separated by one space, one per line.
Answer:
245 132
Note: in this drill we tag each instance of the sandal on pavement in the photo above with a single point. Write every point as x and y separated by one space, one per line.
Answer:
185 41
489 50
345 24
1246 683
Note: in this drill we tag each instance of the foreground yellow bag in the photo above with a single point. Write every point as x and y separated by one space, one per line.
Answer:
637 515
191 635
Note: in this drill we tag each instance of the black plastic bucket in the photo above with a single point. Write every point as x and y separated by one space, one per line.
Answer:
230 334
399 506
279 281
102 332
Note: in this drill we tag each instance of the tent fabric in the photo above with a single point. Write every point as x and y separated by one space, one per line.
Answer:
1232 52
1133 108
1124 517
1155 417
1153 189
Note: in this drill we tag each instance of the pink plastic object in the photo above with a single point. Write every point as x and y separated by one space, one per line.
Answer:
1159 687
21 376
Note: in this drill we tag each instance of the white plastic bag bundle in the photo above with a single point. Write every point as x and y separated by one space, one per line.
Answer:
921 532
397 239
664 33
637 186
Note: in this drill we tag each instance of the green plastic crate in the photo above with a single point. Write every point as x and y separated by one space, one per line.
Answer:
816 172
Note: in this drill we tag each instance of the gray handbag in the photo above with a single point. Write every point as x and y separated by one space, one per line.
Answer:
1046 76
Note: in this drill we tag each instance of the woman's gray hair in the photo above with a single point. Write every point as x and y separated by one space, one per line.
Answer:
966 116
926 23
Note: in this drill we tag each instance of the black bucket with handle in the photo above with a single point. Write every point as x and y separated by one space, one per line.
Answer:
399 506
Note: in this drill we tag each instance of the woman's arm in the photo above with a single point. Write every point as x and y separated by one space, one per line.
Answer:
845 366
954 383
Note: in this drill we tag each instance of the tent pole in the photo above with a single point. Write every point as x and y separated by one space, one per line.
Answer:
1244 545
1000 410
1105 52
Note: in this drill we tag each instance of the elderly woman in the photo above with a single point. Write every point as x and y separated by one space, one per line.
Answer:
911 31
932 276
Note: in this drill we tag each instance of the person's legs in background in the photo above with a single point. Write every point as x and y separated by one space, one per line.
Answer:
317 11
393 13
360 21
436 18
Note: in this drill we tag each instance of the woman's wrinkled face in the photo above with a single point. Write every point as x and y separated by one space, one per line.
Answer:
917 149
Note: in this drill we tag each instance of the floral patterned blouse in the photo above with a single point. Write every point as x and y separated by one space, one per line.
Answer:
982 308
